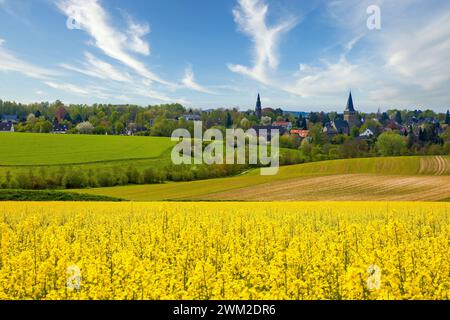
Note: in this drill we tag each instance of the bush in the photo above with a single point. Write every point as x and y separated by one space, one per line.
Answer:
133 175
152 175
391 144
75 179
85 127
105 179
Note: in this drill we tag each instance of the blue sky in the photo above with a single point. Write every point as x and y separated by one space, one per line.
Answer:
300 55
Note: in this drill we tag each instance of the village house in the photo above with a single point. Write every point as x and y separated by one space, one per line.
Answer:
191 117
301 133
368 133
265 131
59 128
337 126
285 124
6 127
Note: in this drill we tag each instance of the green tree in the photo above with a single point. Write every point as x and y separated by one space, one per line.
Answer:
317 135
100 130
354 132
391 144
44 126
119 127
229 121
398 117
163 127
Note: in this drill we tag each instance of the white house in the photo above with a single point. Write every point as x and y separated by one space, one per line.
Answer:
285 124
368 133
191 117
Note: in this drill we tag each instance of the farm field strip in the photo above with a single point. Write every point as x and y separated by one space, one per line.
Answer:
343 188
336 180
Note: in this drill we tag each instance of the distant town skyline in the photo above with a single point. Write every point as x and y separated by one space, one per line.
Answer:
299 55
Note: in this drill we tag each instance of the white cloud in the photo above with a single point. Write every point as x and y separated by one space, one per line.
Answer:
97 68
95 21
71 88
2 41
409 58
330 79
39 93
9 62
251 17
422 57
136 31
145 92
189 82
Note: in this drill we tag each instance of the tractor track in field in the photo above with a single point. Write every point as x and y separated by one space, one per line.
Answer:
437 165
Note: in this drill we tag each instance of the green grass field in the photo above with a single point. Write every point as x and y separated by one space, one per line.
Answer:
28 149
23 151
45 154
383 176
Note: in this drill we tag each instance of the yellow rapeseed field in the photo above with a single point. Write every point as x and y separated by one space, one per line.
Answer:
297 250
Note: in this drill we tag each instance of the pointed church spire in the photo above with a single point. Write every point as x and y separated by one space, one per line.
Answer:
258 109
350 103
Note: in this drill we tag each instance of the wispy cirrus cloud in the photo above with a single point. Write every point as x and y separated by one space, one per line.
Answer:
412 50
145 92
68 87
422 57
189 82
97 68
327 80
251 18
9 62
94 20
406 62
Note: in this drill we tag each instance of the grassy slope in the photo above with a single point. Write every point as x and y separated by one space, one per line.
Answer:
27 149
21 152
398 166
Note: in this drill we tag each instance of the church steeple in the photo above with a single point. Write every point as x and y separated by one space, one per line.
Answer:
350 114
350 103
258 109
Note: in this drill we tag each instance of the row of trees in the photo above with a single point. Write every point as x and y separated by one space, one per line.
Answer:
74 178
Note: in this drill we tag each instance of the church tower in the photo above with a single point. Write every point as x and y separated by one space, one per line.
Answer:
350 114
258 109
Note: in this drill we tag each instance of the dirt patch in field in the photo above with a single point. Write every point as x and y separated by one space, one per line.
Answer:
350 187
